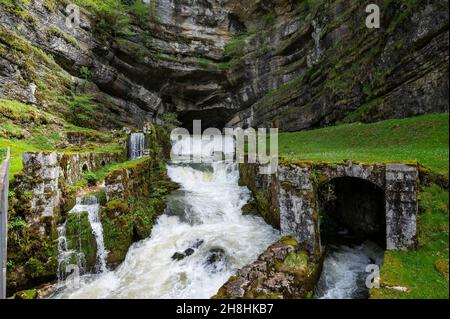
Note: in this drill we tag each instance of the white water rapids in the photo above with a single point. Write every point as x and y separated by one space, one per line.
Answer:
201 240
344 271
203 218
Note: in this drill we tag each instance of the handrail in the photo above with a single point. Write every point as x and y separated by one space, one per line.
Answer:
4 189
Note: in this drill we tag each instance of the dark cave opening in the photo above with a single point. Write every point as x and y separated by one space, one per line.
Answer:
211 118
352 210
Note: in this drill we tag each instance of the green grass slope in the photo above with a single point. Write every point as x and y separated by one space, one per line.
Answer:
423 272
24 128
423 138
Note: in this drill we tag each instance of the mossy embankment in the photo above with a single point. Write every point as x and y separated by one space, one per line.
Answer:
424 139
127 218
24 128
286 262
421 273
135 196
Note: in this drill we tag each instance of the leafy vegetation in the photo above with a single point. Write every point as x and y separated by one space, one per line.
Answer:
235 47
113 18
423 272
268 19
2 154
169 121
422 138
81 110
27 129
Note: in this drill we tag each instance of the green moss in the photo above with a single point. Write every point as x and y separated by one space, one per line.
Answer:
289 240
126 222
26 294
422 138
27 129
51 5
268 19
250 208
81 238
18 8
236 46
266 210
55 32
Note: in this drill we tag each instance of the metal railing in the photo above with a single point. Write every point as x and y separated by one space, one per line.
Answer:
4 189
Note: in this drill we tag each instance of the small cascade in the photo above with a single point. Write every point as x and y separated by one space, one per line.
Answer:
67 257
76 256
344 271
136 146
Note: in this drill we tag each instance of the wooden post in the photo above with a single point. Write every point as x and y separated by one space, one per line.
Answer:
4 189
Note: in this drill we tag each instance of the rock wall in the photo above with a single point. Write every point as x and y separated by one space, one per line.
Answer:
39 195
135 197
295 197
46 176
291 64
303 64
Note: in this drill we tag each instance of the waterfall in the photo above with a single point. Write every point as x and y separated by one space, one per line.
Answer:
344 271
67 256
137 145
195 246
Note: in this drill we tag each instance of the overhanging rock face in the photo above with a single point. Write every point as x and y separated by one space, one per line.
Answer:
296 197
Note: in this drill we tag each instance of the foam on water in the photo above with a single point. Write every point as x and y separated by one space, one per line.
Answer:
206 213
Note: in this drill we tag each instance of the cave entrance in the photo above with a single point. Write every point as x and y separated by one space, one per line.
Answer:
215 118
352 210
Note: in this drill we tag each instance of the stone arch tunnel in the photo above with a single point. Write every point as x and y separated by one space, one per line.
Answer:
353 207
294 196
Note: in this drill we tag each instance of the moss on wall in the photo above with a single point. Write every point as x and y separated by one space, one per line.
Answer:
129 219
80 238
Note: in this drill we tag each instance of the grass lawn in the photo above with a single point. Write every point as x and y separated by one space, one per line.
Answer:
424 272
422 138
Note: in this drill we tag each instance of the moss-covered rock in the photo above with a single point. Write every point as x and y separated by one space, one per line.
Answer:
26 294
284 270
81 238
137 196
264 190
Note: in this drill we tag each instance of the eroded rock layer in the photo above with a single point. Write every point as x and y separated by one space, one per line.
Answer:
291 64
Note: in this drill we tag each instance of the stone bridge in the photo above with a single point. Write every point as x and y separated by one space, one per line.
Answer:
296 196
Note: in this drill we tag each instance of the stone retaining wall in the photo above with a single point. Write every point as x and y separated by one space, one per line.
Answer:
46 175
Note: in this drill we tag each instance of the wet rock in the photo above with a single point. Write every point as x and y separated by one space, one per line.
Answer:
188 252
197 243
178 256
216 260
282 271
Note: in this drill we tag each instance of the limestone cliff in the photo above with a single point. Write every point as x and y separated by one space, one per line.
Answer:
291 64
